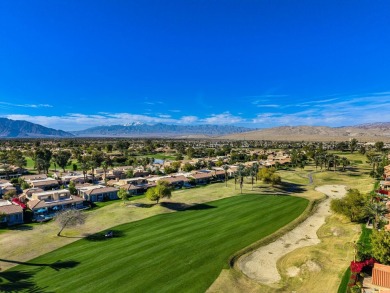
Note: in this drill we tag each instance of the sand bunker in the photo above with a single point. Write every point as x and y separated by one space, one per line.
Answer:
260 264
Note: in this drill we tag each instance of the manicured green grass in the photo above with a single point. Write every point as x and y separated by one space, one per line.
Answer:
30 164
344 281
365 238
177 252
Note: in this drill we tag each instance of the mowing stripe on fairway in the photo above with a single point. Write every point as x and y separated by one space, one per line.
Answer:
177 252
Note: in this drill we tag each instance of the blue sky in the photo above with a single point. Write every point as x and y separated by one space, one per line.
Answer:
76 64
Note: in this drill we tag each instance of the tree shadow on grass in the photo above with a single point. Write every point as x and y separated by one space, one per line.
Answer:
21 228
19 281
22 281
286 188
177 206
143 205
58 265
101 236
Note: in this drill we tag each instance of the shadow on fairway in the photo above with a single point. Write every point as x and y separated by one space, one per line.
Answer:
21 228
144 205
177 206
101 236
58 265
291 187
17 281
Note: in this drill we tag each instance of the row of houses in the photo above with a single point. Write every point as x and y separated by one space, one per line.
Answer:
44 197
44 204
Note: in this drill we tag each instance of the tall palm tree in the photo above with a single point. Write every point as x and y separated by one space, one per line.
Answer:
376 210
255 168
344 162
241 174
225 168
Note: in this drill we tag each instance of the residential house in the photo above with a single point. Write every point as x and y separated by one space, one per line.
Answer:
175 181
136 189
45 204
11 214
201 178
45 184
5 186
76 177
34 177
218 174
10 171
96 193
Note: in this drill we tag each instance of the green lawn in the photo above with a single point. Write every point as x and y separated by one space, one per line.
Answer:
177 252
344 281
30 164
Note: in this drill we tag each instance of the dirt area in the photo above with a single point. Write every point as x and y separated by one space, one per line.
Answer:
261 264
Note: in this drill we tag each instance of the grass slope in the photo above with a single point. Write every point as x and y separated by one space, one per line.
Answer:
177 252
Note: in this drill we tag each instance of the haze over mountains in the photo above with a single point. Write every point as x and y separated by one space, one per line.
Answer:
137 129
364 132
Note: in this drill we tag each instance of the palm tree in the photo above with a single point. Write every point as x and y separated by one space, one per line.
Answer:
241 174
376 210
84 166
335 162
255 168
225 168
344 162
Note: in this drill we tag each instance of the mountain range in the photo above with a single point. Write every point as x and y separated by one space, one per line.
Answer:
138 129
363 132
23 129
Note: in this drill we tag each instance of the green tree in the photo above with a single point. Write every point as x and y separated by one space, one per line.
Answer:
17 158
380 242
123 194
352 205
376 210
72 188
129 174
84 164
62 159
275 179
162 190
5 162
152 195
24 185
353 143
379 146
188 167
42 158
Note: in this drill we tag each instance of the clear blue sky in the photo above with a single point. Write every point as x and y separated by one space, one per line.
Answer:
76 64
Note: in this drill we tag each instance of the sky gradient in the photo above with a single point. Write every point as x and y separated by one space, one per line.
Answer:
76 64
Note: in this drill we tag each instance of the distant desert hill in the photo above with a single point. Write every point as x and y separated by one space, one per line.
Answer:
23 129
363 132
